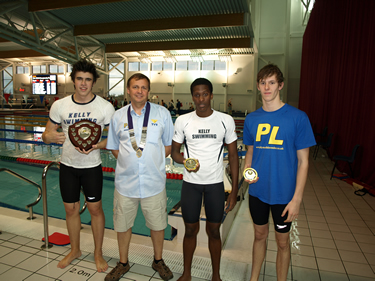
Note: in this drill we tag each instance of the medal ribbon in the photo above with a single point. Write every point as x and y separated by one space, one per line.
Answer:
144 129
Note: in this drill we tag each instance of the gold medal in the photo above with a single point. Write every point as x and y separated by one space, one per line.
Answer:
139 153
191 164
250 174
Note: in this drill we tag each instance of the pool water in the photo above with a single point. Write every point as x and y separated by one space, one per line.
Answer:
17 141
16 193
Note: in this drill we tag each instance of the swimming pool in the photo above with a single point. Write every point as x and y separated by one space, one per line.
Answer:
16 193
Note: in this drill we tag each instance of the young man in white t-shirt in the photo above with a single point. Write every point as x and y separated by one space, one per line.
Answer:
204 133
79 167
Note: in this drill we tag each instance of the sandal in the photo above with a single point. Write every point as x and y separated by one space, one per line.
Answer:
117 272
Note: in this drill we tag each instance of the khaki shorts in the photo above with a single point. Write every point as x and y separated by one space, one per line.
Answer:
154 210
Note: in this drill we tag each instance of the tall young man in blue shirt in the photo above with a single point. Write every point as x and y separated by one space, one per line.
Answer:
278 137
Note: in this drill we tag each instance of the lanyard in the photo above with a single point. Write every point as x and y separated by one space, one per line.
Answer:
139 149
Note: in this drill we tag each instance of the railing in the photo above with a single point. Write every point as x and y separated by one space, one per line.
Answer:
29 206
45 210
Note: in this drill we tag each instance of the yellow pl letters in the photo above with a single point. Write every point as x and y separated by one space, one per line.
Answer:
264 129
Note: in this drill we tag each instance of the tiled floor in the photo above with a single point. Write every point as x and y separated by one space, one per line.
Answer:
333 239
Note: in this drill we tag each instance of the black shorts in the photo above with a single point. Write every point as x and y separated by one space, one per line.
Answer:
71 180
191 201
260 212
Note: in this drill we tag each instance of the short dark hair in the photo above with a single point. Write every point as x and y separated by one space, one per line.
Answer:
201 81
138 76
84 66
269 70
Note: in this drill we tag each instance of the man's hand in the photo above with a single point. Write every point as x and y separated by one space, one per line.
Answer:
293 210
88 151
51 135
253 181
231 202
196 168
250 182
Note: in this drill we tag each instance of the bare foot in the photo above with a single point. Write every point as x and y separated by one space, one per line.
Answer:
101 264
184 278
68 259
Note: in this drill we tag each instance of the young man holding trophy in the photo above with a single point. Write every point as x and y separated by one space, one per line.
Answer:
82 117
204 133
278 137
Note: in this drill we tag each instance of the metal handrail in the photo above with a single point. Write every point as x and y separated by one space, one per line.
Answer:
227 167
29 206
45 211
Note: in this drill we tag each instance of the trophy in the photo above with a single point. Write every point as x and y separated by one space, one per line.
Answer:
191 164
84 134
250 174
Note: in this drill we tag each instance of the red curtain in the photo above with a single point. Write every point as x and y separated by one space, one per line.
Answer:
337 86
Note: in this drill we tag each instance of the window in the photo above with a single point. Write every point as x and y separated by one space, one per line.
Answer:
181 65
143 66
137 66
22 70
157 66
208 65
19 70
220 65
193 65
160 65
133 66
116 80
36 68
54 68
168 66
39 69
8 80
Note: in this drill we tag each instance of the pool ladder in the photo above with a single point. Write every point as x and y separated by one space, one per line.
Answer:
45 211
29 206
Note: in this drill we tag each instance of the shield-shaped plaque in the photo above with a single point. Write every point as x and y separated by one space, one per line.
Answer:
84 134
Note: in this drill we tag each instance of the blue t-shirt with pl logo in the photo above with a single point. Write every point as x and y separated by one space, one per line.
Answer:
276 136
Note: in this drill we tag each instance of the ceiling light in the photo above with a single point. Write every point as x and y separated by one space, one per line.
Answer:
145 60
197 58
225 58
170 59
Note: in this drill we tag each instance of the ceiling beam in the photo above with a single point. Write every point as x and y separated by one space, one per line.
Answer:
237 19
20 54
180 45
46 5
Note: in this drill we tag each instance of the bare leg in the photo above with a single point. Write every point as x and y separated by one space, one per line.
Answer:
283 255
97 226
259 250
73 224
157 238
214 245
189 245
123 240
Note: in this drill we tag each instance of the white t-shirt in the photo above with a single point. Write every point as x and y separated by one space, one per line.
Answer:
204 140
66 112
